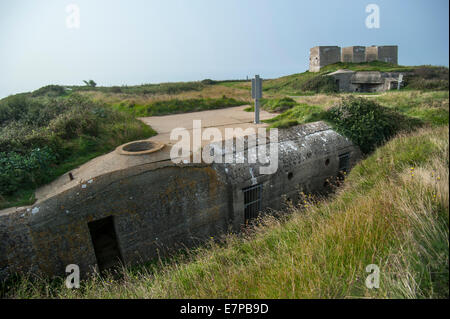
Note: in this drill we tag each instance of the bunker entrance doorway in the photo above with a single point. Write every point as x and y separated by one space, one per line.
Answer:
344 165
105 244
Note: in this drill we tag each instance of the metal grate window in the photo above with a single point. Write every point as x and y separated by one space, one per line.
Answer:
252 201
344 162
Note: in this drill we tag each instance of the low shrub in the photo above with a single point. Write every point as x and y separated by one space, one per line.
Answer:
367 123
208 82
50 90
320 84
428 78
116 89
17 170
75 123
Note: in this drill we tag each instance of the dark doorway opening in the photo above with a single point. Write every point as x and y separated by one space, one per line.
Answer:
105 244
344 165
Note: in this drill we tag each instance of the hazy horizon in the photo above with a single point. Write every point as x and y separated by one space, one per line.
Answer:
136 42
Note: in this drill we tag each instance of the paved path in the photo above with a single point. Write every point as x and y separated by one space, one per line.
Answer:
232 117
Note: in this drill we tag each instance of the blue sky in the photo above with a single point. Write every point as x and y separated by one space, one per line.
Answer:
134 42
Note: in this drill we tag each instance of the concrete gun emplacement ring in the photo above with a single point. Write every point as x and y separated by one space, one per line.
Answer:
139 147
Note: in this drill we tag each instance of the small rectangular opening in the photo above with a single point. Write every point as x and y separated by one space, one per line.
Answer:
344 163
252 201
105 244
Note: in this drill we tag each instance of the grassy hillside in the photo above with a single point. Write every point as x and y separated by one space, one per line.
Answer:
393 211
429 107
418 77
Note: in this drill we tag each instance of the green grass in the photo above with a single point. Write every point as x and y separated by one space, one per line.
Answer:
393 211
432 108
274 105
299 114
160 88
175 106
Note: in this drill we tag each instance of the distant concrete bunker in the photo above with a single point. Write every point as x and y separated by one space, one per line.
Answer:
321 56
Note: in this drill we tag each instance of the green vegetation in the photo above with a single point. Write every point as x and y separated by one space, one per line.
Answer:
90 83
161 88
274 105
42 137
50 91
430 107
393 211
299 114
174 106
320 84
370 121
366 123
428 78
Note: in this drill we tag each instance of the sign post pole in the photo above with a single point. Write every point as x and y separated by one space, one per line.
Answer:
399 82
257 95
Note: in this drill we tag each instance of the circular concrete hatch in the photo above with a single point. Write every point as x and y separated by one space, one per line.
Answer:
139 147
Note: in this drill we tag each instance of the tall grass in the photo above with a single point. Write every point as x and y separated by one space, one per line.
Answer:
392 211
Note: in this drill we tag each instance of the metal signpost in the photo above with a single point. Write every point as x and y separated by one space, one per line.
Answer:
257 94
399 83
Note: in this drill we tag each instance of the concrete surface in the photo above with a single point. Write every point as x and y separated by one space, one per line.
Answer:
232 117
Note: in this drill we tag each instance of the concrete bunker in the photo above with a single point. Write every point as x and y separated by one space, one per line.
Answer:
365 81
139 213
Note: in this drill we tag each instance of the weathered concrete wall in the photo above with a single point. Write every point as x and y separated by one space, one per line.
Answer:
388 53
371 53
354 54
321 56
343 79
160 206
365 81
155 207
308 156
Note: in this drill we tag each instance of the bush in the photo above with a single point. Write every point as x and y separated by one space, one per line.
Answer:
13 107
50 90
90 83
75 123
367 123
208 82
116 89
428 78
320 84
18 170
